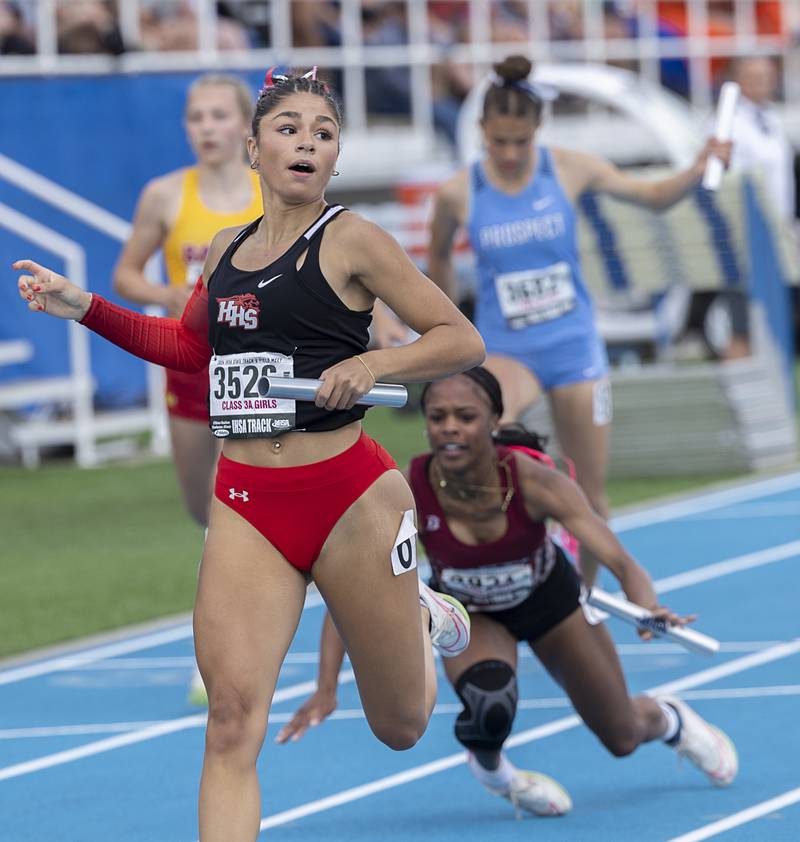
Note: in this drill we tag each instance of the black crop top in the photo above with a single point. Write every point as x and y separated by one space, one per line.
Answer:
273 322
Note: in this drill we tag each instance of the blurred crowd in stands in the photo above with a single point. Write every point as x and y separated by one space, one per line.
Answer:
93 27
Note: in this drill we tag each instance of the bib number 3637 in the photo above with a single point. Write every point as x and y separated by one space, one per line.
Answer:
237 406
535 295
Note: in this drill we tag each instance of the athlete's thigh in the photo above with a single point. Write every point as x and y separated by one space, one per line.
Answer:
583 660
488 641
519 385
376 612
195 452
584 434
249 601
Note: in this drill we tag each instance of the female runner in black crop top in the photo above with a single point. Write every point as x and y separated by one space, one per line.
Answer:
343 489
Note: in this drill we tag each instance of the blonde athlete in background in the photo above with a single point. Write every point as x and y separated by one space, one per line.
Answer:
533 309
179 213
301 491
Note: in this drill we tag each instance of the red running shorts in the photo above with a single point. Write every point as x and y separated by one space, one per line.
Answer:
295 509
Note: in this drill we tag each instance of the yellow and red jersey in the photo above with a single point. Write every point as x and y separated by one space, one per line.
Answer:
185 252
187 244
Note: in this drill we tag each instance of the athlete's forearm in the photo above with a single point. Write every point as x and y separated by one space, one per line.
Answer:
178 344
441 351
666 192
131 284
637 585
331 655
617 560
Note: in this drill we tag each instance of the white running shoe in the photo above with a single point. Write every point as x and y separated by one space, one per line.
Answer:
538 794
709 748
197 690
449 621
532 792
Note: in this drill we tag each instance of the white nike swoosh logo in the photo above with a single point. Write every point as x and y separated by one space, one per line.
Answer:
262 284
541 204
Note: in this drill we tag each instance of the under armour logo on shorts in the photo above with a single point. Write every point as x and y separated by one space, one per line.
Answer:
233 494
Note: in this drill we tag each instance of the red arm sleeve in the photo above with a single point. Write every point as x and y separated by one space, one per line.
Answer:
178 344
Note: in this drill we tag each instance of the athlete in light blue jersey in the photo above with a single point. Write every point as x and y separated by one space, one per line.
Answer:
533 304
533 309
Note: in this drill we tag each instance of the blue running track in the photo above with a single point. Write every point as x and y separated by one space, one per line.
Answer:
100 745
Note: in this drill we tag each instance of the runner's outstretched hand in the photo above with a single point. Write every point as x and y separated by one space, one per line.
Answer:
47 292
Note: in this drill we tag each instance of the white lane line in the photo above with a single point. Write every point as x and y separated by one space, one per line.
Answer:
728 566
141 735
178 662
100 746
111 650
782 650
156 663
346 714
744 692
742 817
652 647
757 659
704 502
77 730
297 658
788 508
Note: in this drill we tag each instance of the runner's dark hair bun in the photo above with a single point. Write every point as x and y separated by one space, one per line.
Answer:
513 68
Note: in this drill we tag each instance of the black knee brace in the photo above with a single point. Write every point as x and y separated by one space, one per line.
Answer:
488 690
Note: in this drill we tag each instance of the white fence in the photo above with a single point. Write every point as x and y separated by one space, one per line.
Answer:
534 32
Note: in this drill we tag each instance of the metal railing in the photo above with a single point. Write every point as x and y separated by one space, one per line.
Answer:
84 431
534 33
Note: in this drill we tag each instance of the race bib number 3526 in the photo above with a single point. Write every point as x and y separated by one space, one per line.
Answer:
238 407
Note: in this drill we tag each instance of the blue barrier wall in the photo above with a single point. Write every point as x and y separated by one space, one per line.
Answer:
101 138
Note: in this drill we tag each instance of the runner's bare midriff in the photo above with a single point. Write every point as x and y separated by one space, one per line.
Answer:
296 448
